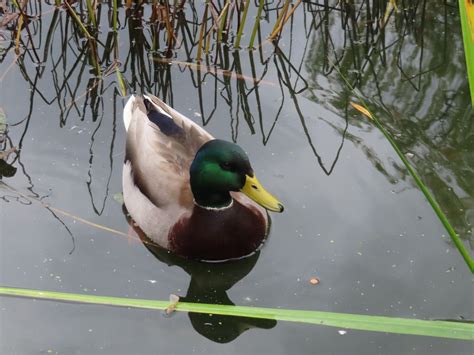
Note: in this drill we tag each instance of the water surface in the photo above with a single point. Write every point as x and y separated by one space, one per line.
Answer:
354 218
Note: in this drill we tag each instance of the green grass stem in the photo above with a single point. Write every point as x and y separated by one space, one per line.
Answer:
78 21
123 87
432 201
91 12
281 16
91 40
115 14
257 23
242 24
223 17
434 328
468 40
202 32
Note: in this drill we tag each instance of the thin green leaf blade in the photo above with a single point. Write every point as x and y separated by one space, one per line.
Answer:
242 24
441 329
123 87
467 25
256 24
431 200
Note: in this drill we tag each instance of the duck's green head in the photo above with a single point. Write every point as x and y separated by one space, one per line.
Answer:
220 167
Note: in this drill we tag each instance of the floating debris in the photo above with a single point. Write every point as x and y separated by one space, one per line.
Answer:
173 302
314 281
119 197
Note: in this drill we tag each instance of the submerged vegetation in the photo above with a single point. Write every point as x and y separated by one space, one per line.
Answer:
102 50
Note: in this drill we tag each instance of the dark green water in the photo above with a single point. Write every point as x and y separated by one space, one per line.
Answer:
354 218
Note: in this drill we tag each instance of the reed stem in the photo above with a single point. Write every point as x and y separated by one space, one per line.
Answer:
242 24
222 17
256 23
202 31
281 16
91 12
91 40
115 16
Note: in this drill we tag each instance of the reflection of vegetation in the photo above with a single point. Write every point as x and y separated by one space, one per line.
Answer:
147 66
388 55
415 80
6 148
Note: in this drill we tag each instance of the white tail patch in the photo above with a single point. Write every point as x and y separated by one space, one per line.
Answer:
127 112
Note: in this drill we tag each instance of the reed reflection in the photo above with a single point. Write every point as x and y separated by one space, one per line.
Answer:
152 45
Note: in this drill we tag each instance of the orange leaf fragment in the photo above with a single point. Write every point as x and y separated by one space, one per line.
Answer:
314 281
362 110
470 16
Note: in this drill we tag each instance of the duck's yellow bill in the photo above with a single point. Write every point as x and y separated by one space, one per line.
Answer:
256 192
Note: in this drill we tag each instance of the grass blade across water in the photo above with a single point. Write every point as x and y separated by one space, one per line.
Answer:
434 328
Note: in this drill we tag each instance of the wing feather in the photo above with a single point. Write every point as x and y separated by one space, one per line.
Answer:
160 162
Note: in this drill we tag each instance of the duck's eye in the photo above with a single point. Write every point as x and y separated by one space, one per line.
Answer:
226 166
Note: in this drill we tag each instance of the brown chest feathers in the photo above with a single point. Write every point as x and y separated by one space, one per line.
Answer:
219 235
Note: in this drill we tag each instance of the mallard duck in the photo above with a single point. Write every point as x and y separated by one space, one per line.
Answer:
191 194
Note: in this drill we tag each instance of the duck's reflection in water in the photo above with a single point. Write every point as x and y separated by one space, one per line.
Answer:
209 284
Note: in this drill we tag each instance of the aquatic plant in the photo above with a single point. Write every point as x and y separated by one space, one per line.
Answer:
434 328
466 10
